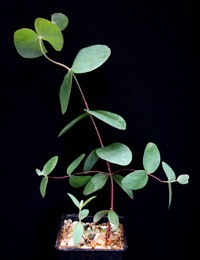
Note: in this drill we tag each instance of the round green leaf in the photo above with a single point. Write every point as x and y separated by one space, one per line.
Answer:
26 42
135 180
99 215
83 214
151 158
90 58
79 181
117 153
95 183
49 32
183 178
60 20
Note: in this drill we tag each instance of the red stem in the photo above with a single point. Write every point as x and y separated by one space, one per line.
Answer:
94 124
101 143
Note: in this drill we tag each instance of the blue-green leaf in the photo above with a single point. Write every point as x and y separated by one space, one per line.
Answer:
90 58
95 183
50 165
83 214
79 181
169 172
151 158
78 233
26 42
39 172
108 117
75 164
65 91
72 123
74 199
118 178
183 178
99 215
43 186
49 32
135 180
116 153
90 161
60 20
113 219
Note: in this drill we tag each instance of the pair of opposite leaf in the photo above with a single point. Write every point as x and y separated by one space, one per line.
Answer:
135 180
29 44
78 229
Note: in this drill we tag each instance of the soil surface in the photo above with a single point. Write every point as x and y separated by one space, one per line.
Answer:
94 237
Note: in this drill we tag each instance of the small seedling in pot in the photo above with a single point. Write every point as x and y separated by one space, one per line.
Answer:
78 229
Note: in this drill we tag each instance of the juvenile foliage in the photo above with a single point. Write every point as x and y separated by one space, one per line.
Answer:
82 214
81 171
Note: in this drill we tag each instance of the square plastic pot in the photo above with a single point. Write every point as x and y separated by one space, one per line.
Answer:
89 254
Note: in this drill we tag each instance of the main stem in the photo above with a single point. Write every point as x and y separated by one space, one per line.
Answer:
101 143
93 122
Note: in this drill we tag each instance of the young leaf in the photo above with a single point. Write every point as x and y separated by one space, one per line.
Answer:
151 158
90 58
118 178
49 32
83 214
117 153
135 180
75 164
39 173
90 161
72 123
43 186
65 91
169 172
99 215
60 20
50 165
108 117
88 200
75 201
79 181
78 233
113 219
95 183
183 179
26 42
170 194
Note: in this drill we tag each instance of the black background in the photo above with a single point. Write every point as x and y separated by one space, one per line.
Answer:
151 79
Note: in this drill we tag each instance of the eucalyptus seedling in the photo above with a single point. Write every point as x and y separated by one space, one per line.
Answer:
31 43
78 229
